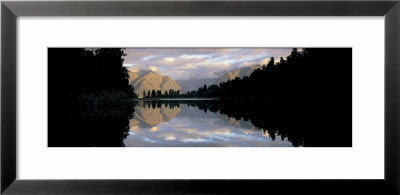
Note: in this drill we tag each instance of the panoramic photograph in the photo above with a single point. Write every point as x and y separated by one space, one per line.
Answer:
200 97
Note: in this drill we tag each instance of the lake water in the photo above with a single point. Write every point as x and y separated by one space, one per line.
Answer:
198 123
176 123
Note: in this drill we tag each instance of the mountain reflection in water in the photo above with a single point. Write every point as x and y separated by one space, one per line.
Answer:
184 124
194 123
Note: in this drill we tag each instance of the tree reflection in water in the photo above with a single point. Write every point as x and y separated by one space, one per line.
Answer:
91 126
300 124
109 126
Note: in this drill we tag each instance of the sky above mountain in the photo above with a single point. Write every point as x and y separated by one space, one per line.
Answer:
189 63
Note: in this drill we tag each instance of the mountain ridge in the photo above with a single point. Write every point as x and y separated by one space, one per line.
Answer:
147 80
195 83
240 72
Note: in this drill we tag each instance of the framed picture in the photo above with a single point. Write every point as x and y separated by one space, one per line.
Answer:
198 96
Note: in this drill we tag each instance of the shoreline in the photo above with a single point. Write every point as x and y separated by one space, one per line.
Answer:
172 99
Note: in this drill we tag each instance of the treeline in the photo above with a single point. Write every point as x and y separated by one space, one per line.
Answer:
309 73
159 94
80 75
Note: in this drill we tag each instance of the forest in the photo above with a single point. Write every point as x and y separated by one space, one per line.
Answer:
88 76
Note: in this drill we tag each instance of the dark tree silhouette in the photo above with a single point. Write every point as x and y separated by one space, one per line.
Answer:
271 63
91 76
88 88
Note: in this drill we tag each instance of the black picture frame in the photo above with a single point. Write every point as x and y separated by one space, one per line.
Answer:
10 10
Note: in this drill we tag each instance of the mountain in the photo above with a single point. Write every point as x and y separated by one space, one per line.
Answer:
146 117
241 72
238 123
194 84
147 80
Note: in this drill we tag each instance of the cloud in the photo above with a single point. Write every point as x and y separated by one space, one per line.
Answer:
186 63
211 130
169 138
169 59
186 56
194 140
153 68
264 61
189 66
189 130
245 64
154 129
147 58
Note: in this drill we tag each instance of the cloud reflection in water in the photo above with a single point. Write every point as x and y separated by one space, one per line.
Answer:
165 126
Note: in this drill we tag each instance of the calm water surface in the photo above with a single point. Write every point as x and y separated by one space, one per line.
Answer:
192 123
176 123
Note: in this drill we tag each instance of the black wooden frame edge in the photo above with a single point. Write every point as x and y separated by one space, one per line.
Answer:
242 187
8 97
202 8
392 95
10 10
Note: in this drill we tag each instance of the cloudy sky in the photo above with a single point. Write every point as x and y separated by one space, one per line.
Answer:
189 63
